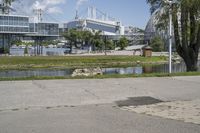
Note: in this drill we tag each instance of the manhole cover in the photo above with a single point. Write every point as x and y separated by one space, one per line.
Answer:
136 101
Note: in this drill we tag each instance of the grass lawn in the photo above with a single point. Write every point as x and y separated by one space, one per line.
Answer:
18 63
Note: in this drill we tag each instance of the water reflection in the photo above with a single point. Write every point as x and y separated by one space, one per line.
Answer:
129 70
163 68
35 73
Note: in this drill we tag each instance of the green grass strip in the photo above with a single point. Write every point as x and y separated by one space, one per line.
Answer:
22 63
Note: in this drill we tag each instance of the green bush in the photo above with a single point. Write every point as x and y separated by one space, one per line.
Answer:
123 43
26 50
6 50
157 44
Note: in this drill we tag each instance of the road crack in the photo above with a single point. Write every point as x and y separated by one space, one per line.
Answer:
91 93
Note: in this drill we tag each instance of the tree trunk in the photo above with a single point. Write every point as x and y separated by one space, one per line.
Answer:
188 46
191 61
70 51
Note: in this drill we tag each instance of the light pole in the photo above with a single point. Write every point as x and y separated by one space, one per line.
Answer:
170 37
170 2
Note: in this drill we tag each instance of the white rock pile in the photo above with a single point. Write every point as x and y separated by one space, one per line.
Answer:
87 72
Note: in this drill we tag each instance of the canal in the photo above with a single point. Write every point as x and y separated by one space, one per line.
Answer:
137 69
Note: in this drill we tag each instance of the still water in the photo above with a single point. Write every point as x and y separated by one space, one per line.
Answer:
138 69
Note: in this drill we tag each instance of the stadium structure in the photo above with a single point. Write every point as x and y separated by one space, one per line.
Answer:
151 31
96 20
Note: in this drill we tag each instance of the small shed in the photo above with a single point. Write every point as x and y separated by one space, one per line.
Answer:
147 51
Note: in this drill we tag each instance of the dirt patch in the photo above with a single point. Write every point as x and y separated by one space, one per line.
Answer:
138 101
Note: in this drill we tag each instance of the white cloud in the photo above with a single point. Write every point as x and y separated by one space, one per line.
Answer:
45 4
54 10
38 5
54 2
80 2
27 6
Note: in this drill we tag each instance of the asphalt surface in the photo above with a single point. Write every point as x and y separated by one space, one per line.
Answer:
91 106
88 119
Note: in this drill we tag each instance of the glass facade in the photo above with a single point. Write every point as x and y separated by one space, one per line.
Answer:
14 24
1 41
48 29
20 24
71 25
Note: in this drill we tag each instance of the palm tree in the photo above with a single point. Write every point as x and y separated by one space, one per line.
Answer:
97 41
186 23
71 36
7 2
123 43
87 37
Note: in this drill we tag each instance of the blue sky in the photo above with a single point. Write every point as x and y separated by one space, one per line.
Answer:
130 12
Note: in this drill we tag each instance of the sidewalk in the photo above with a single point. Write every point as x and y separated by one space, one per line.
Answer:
22 94
187 111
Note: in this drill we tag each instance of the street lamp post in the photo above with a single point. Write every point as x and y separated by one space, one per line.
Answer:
170 38
170 2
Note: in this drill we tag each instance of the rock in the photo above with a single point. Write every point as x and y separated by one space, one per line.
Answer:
87 72
138 62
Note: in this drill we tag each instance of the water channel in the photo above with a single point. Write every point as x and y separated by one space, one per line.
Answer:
138 69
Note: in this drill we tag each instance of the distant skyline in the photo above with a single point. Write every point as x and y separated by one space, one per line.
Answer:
129 12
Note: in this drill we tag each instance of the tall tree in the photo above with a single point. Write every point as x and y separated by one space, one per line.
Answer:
157 44
186 23
71 36
6 4
78 37
97 41
123 43
110 45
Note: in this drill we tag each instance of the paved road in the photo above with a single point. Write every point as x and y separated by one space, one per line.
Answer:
88 119
87 106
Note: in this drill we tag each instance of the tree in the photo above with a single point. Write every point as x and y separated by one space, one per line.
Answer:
17 42
186 23
87 37
74 37
123 43
48 42
6 4
71 35
157 44
78 38
26 50
110 45
97 41
98 44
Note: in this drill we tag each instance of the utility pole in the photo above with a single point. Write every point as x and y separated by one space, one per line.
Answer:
170 2
170 38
